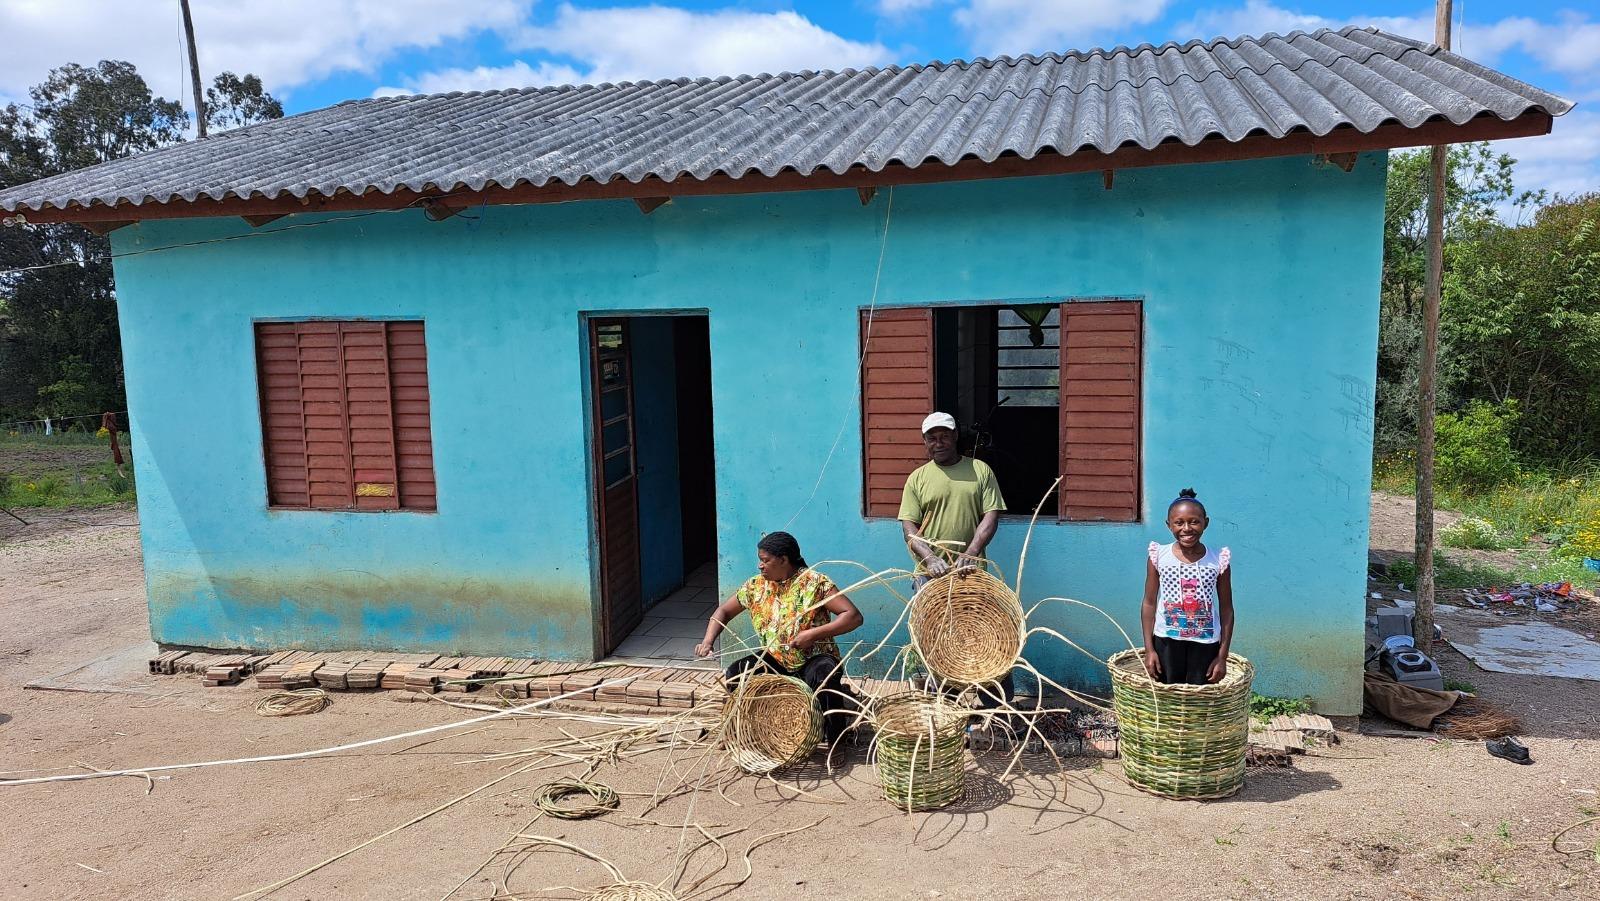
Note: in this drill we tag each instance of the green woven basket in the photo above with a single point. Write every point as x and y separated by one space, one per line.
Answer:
1182 741
920 749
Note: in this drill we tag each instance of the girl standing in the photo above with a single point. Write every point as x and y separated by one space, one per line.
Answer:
1188 601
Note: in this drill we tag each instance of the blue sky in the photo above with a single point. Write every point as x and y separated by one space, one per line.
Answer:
313 53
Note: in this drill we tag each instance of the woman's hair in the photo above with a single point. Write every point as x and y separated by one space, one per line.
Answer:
782 544
1186 496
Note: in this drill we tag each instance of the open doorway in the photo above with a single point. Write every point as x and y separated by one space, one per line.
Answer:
655 492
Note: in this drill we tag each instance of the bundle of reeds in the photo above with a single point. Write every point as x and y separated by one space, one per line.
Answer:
1182 741
967 626
919 749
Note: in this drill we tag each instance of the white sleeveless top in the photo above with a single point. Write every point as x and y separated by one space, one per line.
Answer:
1186 605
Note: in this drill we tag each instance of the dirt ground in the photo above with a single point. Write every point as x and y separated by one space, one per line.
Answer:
1370 818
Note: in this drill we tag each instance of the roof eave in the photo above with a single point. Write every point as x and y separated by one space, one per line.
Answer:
1215 149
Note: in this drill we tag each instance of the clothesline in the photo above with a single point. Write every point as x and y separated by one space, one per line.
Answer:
55 419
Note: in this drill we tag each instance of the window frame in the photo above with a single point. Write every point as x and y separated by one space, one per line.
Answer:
1064 395
410 364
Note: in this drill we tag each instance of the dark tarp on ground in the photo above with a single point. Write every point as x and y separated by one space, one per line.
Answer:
1417 707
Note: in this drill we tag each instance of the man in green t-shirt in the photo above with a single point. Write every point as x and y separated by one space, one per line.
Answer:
949 511
951 505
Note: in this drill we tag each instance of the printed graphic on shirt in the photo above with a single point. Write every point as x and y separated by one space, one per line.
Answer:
1186 606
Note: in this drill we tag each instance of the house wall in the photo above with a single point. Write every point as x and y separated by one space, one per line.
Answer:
1260 285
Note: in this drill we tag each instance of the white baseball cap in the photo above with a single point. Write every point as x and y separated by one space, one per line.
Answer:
938 421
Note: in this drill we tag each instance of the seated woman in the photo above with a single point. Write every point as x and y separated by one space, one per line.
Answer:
796 613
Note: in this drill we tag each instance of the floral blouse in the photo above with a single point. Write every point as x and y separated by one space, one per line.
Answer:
781 610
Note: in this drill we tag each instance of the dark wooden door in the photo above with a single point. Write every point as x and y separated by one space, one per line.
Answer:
616 482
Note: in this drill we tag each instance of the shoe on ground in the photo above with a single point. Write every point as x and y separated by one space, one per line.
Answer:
1509 748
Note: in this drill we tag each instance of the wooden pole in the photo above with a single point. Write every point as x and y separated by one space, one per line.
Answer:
1422 625
194 70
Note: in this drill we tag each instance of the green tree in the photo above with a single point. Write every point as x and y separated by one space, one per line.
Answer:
1520 322
58 324
1479 184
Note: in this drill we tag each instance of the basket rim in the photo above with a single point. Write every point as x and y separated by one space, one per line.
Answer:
947 715
1240 670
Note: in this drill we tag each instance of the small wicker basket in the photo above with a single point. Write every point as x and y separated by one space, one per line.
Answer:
967 625
920 744
1182 741
769 722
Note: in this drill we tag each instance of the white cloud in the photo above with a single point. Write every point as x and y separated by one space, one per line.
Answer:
1569 46
286 42
642 42
894 8
996 27
1566 161
485 78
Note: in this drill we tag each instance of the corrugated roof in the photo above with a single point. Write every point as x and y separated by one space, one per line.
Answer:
810 121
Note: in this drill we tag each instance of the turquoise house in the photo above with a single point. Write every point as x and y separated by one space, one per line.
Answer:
495 373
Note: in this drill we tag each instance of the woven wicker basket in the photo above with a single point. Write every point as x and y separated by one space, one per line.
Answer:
631 891
769 721
921 739
1182 741
967 625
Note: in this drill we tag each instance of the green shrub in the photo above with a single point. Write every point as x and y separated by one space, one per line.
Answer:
1474 533
1265 707
48 487
1403 571
1473 448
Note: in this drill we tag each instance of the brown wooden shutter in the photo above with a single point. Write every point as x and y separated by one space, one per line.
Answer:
413 435
327 423
366 393
344 409
283 426
897 393
1101 363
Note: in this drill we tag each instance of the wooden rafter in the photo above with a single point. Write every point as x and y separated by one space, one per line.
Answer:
1339 141
648 205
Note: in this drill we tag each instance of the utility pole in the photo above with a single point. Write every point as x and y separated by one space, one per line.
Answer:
194 69
1422 625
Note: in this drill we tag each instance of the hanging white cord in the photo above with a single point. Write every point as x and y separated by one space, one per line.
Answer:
872 309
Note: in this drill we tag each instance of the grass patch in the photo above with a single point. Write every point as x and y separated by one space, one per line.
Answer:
1546 505
60 472
1459 685
1532 566
1265 707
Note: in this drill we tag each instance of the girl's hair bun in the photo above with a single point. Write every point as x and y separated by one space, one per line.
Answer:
1187 494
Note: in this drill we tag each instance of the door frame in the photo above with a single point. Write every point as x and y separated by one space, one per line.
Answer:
594 491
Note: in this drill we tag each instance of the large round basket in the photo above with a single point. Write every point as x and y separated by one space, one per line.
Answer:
920 742
630 891
1182 741
769 721
968 627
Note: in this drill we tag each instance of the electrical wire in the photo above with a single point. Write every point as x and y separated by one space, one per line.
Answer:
861 361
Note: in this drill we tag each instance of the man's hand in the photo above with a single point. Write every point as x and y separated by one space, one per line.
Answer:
1152 664
704 649
934 565
803 640
1219 668
968 561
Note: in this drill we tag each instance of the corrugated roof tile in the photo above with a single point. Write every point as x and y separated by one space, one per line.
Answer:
809 121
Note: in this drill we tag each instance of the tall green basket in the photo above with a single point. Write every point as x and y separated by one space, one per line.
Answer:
1182 741
919 749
